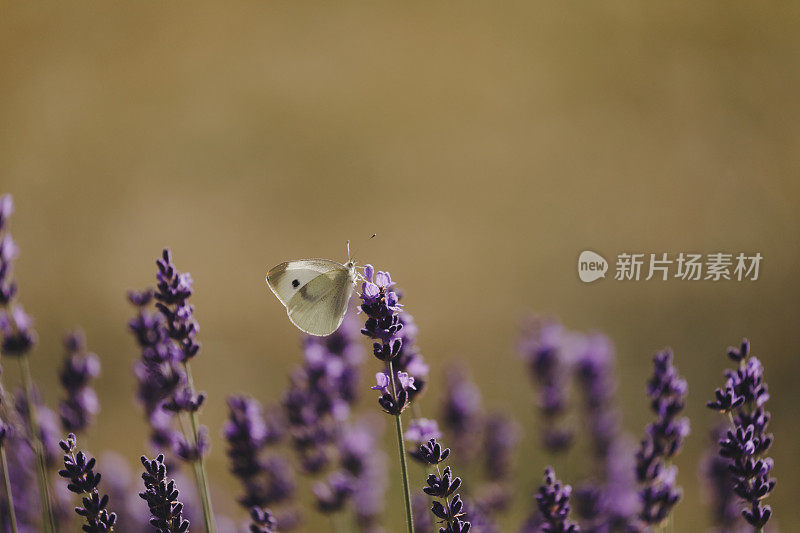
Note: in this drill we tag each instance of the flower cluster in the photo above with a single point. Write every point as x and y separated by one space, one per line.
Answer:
462 412
265 481
161 496
158 372
747 442
173 290
501 437
320 394
262 521
394 393
409 359
8 252
543 346
719 480
79 470
553 502
420 431
360 458
443 485
663 439
16 326
80 406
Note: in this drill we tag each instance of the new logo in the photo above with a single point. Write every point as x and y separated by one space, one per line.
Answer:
591 266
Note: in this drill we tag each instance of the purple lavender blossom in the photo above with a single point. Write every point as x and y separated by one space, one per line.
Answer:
595 372
394 392
264 481
8 253
663 439
542 345
172 293
409 359
747 442
6 209
420 431
161 496
21 469
332 494
263 521
173 290
158 372
360 456
79 469
313 408
501 436
17 330
601 502
462 412
553 502
719 482
118 483
443 485
383 326
80 406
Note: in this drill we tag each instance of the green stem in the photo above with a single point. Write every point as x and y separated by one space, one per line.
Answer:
403 463
12 517
200 468
36 443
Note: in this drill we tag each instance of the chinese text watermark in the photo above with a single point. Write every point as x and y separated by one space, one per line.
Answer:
717 266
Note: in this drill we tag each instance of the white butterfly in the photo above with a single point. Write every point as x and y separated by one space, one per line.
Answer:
315 292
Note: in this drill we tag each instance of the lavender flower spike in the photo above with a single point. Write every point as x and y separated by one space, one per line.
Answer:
80 406
553 502
172 293
663 439
79 469
162 498
383 326
747 441
18 339
443 485
265 481
543 346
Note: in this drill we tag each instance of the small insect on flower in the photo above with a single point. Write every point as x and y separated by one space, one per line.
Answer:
315 292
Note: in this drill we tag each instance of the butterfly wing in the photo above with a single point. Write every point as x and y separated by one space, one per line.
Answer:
319 307
316 293
286 279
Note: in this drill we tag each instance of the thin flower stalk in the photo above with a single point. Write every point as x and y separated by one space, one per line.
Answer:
383 325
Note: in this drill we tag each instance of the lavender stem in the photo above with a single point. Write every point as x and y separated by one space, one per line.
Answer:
7 485
36 444
403 464
200 467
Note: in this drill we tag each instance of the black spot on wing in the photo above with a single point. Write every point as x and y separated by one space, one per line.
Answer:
295 283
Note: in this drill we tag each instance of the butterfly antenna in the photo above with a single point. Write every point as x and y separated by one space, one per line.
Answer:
348 250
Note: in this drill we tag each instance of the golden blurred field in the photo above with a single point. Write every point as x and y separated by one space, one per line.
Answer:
486 144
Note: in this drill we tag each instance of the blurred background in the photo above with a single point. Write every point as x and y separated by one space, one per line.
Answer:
486 147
